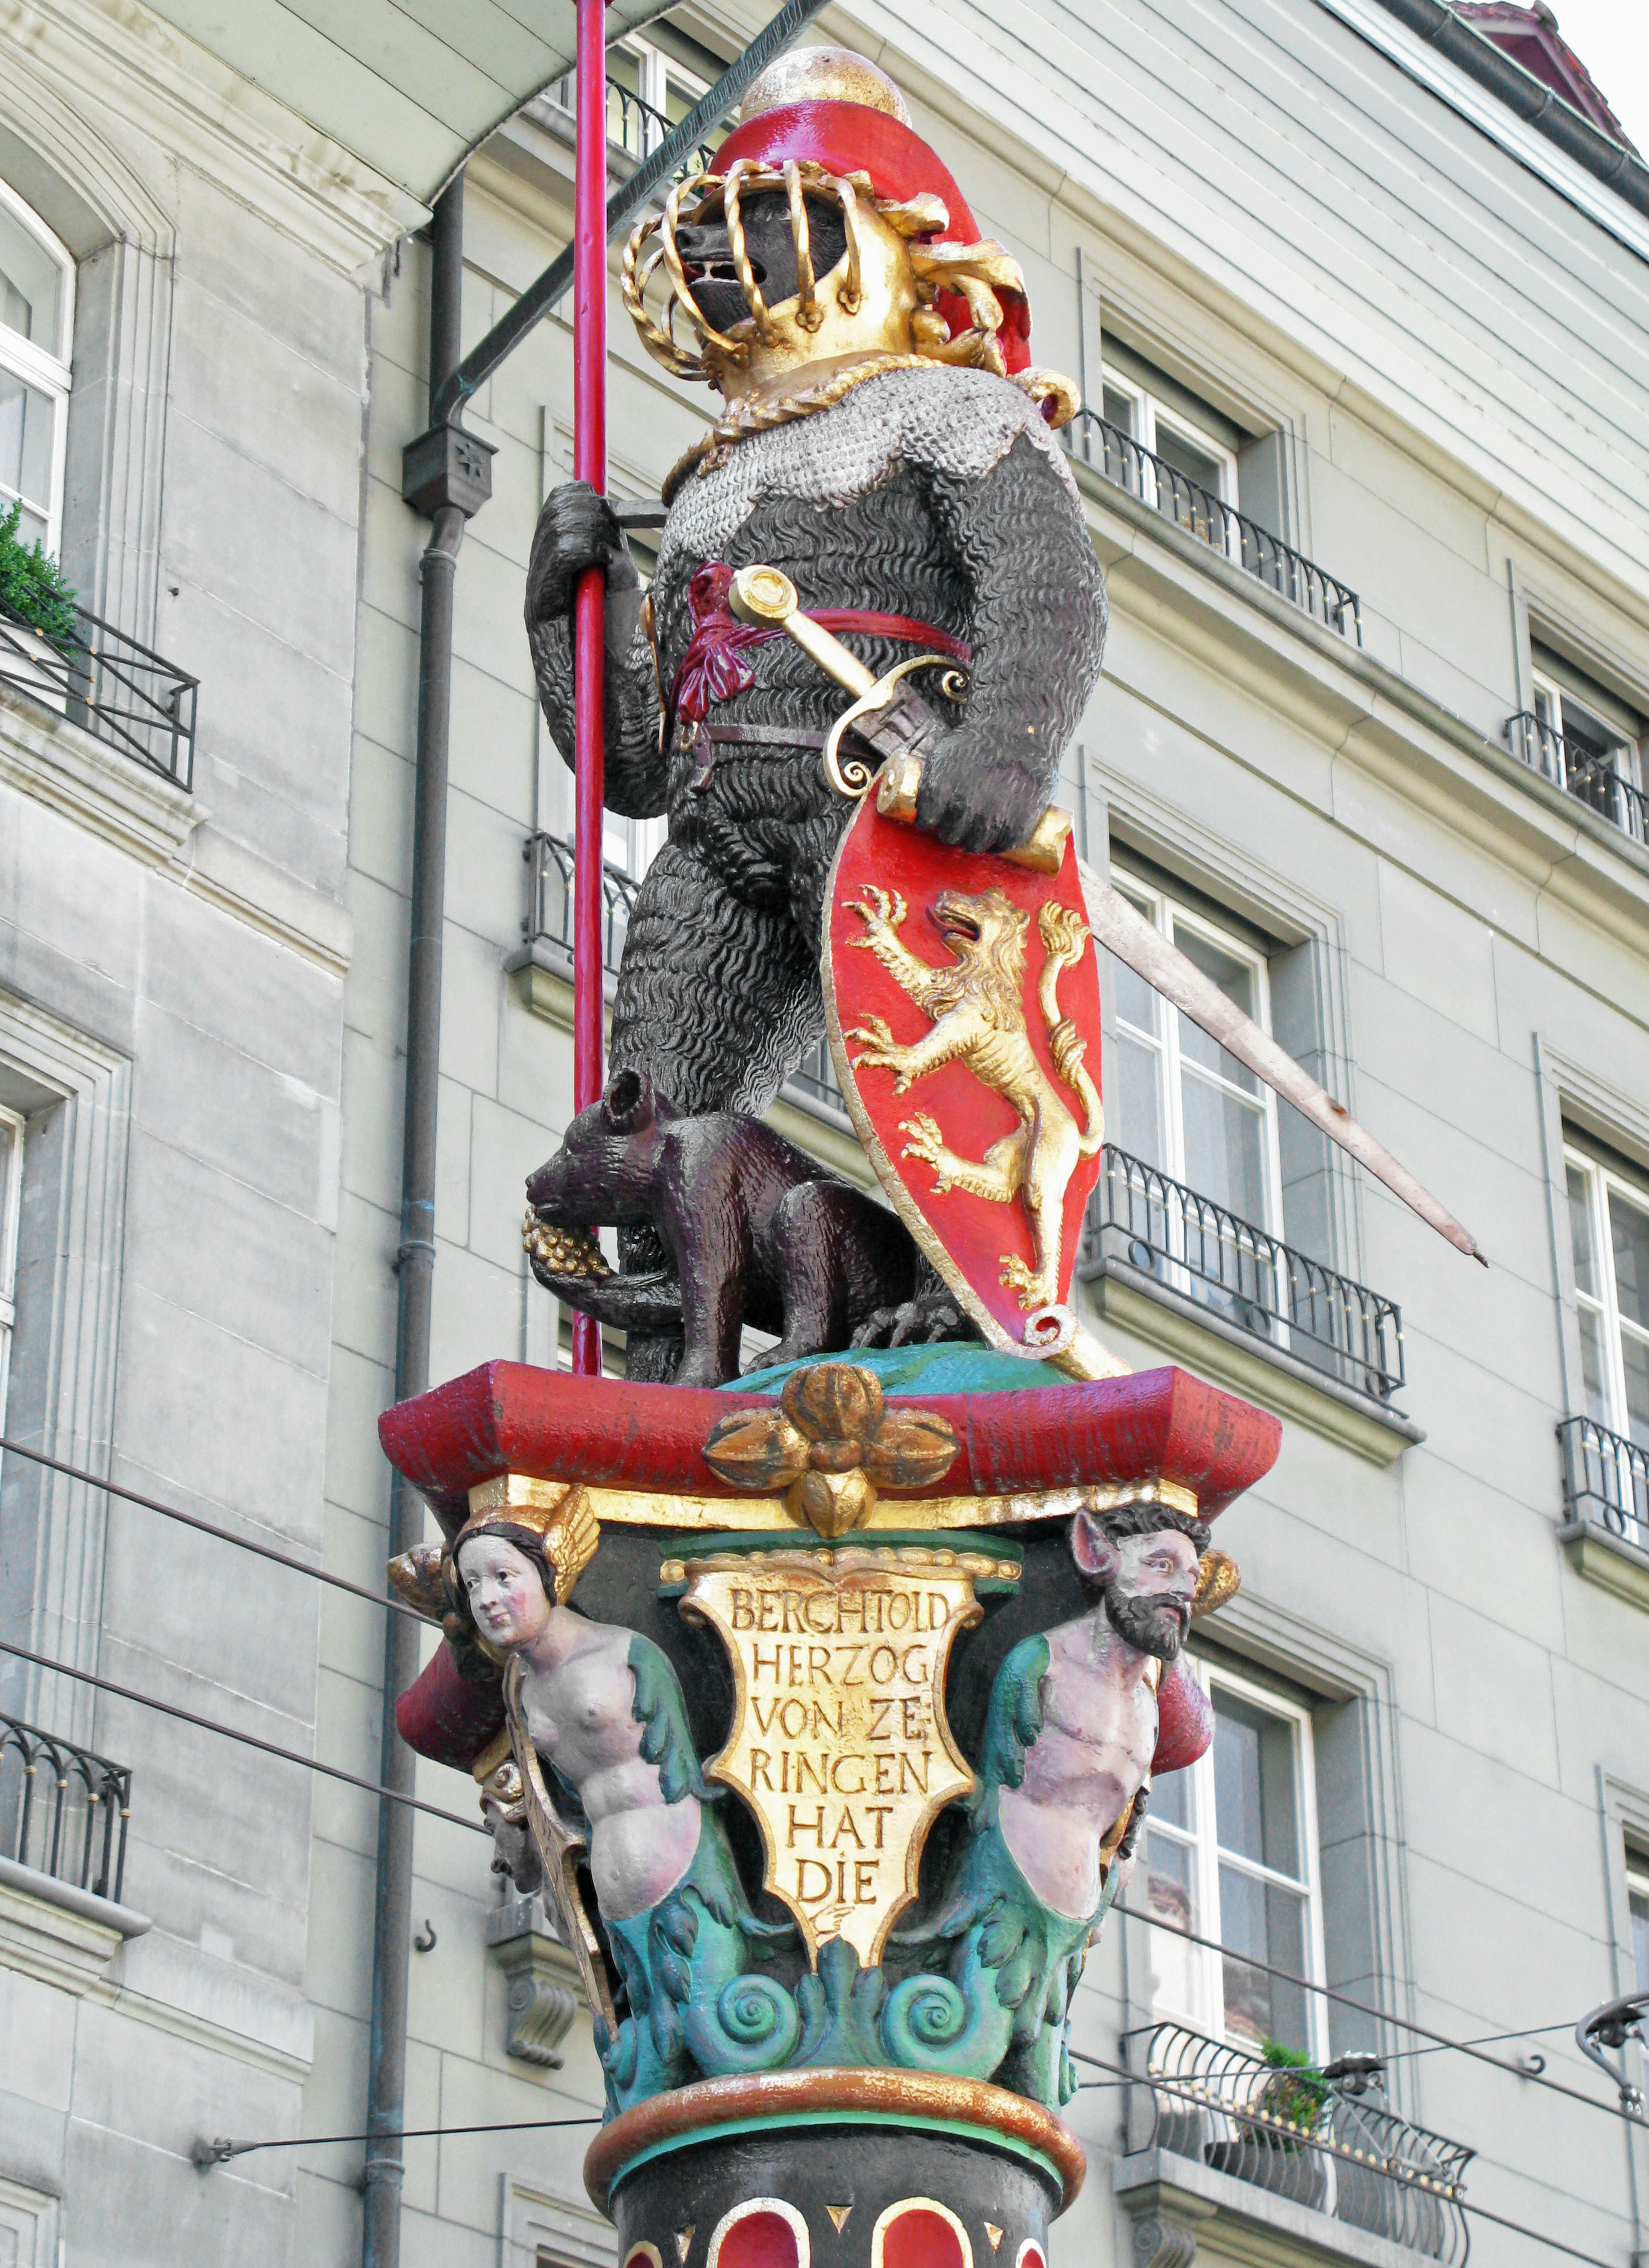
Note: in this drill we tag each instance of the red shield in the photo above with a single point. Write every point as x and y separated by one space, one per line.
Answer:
962 998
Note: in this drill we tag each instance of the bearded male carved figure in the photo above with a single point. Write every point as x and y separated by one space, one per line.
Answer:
887 446
1080 1718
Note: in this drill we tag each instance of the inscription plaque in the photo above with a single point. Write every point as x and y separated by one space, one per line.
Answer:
839 1741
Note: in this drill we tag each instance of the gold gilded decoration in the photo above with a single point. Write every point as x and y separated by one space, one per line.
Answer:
823 74
563 1251
830 1443
763 1515
783 403
993 2235
839 1742
416 1577
838 2216
561 1515
900 782
879 299
976 1008
1217 1579
498 1751
684 2242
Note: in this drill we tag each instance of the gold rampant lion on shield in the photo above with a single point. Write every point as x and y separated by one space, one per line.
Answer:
976 1005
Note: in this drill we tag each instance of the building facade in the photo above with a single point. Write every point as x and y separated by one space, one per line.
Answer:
1365 353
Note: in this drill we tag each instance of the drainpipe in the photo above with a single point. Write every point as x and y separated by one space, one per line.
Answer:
433 489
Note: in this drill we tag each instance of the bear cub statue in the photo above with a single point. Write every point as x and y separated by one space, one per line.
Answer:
759 1233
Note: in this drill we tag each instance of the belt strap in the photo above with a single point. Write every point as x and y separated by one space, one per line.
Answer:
714 667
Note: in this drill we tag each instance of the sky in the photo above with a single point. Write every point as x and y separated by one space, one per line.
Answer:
1611 37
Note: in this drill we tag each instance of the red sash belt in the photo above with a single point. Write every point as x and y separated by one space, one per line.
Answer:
714 667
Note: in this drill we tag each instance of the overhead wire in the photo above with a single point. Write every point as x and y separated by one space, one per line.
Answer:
1381 2015
207 1527
1293 2134
247 1740
1439 2040
219 2152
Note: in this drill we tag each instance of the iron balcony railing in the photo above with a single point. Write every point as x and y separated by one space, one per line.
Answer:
119 691
550 901
1605 1479
1593 778
1139 1217
1300 2136
63 1809
632 125
1127 463
550 921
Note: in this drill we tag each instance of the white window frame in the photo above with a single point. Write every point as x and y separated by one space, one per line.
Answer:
1152 418
1168 915
1603 1182
1206 2012
11 1131
1550 698
43 368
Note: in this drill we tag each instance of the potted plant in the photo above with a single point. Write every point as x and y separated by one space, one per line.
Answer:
39 629
1277 2156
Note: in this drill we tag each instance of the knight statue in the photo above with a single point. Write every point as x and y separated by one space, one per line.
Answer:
885 443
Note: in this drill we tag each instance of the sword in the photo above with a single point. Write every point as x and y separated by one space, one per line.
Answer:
558 1849
899 725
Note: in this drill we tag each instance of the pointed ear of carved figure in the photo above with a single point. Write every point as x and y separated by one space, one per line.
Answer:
628 1104
1093 1549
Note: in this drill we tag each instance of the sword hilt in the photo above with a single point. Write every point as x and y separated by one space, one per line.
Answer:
765 595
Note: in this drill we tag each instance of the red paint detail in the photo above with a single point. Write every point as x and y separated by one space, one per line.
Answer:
1031 2256
589 321
758 2240
920 2238
1185 1721
975 1232
714 667
850 137
507 1417
447 1717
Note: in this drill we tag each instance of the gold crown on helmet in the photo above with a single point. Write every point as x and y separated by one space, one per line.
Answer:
560 1516
879 298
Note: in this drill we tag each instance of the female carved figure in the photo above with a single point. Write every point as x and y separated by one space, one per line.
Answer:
608 1767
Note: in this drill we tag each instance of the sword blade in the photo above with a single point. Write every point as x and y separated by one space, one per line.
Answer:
1123 929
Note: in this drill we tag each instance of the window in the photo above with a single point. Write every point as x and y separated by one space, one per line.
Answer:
1589 742
1637 1908
1608 1227
1194 464
36 318
665 89
11 1205
1174 1098
1231 1852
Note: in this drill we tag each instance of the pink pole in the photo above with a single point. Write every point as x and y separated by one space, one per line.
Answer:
589 459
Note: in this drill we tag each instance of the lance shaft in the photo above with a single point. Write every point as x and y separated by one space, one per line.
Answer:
589 447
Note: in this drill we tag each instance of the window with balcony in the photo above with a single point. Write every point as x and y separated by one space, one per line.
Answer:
1231 1853
1191 1197
1607 1450
1174 441
1175 1098
36 325
1585 741
1228 488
